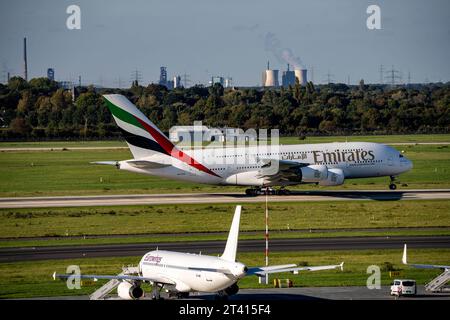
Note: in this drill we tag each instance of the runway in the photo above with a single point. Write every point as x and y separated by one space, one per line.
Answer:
199 198
212 247
298 293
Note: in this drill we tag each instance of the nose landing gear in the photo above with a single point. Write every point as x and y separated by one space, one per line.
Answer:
392 184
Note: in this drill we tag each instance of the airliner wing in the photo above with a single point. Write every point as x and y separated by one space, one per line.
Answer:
274 170
261 271
421 266
157 279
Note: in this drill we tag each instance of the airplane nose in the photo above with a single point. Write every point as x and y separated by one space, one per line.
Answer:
410 164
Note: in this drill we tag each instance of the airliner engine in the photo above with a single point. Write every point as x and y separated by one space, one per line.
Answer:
129 291
322 175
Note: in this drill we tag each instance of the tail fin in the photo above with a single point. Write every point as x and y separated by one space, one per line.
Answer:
142 136
230 249
404 259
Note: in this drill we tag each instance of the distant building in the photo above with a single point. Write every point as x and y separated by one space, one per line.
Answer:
228 82
177 82
217 79
288 78
163 76
51 74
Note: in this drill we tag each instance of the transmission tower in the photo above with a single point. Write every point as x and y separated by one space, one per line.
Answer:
392 76
381 74
186 80
136 77
329 78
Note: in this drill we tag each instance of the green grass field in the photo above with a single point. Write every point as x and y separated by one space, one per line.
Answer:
16 223
33 279
41 173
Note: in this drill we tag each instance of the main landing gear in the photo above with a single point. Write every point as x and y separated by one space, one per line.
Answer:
263 191
392 184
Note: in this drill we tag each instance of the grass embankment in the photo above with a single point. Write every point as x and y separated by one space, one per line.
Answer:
33 279
285 218
52 173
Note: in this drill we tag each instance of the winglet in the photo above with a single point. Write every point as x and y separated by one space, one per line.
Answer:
342 266
54 275
229 253
404 259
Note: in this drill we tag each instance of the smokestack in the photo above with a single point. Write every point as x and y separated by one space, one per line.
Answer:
268 67
25 67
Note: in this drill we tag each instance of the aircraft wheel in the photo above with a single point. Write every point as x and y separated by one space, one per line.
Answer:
392 186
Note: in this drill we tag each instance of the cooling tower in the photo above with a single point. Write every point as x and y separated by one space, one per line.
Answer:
301 76
271 78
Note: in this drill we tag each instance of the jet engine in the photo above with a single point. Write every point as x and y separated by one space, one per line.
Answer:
129 291
313 173
231 290
335 177
322 175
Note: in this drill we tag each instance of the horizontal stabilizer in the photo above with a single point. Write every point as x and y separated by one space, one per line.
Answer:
108 163
261 271
145 164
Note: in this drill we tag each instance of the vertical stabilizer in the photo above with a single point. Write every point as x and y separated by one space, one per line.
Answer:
230 249
404 260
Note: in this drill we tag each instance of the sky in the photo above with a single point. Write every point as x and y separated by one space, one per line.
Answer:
230 38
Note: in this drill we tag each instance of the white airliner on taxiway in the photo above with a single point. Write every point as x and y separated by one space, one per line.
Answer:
327 164
181 273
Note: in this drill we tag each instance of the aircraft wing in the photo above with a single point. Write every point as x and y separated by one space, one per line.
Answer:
274 170
421 266
157 279
261 271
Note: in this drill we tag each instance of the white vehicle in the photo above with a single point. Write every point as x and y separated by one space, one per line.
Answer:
403 287
181 273
327 164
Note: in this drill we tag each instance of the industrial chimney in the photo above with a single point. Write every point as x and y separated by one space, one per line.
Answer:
25 66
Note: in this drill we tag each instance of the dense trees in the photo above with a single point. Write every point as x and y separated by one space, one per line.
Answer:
40 109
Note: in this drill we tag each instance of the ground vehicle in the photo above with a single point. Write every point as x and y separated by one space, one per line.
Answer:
403 287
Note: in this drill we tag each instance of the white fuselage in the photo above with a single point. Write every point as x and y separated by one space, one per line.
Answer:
191 272
243 166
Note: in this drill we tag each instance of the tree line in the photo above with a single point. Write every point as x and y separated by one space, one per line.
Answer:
40 109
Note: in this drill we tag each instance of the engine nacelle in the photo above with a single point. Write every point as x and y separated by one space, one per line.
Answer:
335 178
129 291
314 173
231 290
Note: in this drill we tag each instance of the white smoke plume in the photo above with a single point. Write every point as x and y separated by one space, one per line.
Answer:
283 55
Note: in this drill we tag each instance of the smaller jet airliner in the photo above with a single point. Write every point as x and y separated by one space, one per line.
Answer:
181 273
326 164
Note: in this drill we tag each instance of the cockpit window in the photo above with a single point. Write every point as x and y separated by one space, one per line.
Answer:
400 156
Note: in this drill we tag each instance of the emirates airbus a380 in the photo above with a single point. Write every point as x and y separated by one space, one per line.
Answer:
326 164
